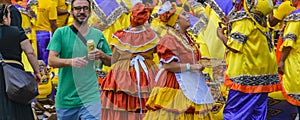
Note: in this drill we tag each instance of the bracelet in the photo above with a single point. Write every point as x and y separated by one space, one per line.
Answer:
188 67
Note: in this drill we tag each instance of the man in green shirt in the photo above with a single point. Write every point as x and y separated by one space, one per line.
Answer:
78 95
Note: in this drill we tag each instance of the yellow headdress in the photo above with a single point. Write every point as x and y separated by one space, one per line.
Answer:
258 10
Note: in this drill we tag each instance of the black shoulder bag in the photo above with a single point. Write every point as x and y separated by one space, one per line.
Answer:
20 86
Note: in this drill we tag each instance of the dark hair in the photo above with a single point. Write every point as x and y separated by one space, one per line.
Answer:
75 0
3 12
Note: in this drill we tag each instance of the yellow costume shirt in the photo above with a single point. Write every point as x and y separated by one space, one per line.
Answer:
46 12
290 78
61 19
253 68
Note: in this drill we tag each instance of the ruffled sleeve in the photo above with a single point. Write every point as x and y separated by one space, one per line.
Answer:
239 34
166 49
290 35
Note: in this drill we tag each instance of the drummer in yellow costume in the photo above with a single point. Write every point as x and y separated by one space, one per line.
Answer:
289 61
251 72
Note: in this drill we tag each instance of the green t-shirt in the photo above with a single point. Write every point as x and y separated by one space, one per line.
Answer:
76 86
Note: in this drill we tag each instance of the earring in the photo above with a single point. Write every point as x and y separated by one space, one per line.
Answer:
177 27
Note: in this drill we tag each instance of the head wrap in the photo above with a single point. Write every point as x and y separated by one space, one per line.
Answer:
169 13
258 10
140 14
263 6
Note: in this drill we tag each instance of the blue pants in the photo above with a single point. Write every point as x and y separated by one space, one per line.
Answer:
43 39
244 106
86 112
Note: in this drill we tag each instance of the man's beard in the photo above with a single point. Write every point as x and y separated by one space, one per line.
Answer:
81 22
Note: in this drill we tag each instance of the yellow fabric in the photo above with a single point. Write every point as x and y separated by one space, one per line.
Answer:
46 12
291 65
26 25
215 46
70 19
284 9
127 47
279 25
291 28
174 17
252 54
165 115
264 6
178 103
276 95
33 30
127 3
121 23
157 25
61 19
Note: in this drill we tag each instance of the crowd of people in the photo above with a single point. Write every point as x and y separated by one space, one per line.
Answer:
162 59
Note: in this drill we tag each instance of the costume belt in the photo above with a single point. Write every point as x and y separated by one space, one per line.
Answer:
135 62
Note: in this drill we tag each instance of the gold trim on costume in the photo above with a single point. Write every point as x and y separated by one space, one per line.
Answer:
108 20
293 17
235 16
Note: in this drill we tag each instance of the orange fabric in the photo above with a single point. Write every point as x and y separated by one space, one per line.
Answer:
100 80
107 114
278 52
251 89
290 99
140 14
24 2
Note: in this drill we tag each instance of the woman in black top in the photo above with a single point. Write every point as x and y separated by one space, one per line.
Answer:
12 43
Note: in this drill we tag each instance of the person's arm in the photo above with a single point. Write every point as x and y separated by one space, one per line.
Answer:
61 12
220 33
180 67
53 25
56 62
284 55
53 17
272 20
32 58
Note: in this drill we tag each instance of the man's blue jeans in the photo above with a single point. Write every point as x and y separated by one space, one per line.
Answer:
86 112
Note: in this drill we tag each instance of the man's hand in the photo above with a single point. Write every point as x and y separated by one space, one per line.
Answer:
96 54
79 62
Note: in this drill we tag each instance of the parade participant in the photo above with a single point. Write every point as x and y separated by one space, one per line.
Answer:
127 86
251 64
181 91
62 12
282 8
45 27
12 43
288 64
78 95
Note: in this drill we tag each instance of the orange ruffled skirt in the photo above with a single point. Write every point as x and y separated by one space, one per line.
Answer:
119 95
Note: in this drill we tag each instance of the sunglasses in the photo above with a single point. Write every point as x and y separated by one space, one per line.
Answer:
78 8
